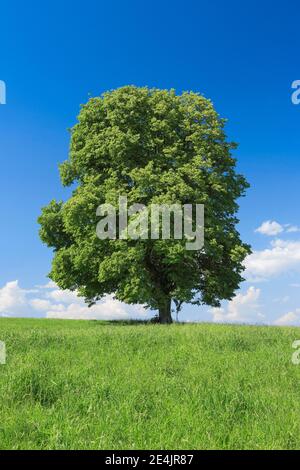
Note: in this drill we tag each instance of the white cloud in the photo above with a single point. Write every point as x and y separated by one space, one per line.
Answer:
48 285
40 304
44 305
280 258
243 308
290 318
270 228
64 296
292 228
52 302
108 309
13 298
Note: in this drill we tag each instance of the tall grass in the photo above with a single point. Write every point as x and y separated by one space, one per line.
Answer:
102 385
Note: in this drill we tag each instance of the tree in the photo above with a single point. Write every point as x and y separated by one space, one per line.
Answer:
154 147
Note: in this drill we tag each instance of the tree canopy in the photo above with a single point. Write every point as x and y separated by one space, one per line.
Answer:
155 147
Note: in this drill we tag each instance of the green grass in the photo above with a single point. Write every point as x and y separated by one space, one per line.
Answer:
101 385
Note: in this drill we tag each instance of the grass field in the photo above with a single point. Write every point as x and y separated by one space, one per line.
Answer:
101 385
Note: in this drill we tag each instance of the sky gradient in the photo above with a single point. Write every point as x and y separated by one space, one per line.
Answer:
242 55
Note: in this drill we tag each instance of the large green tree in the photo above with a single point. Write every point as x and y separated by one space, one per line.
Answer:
154 147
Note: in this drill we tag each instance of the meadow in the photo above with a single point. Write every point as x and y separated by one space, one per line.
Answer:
117 385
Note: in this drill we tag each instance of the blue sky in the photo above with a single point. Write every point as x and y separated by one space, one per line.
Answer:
242 55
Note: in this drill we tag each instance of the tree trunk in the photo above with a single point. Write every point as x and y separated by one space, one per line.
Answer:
165 312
